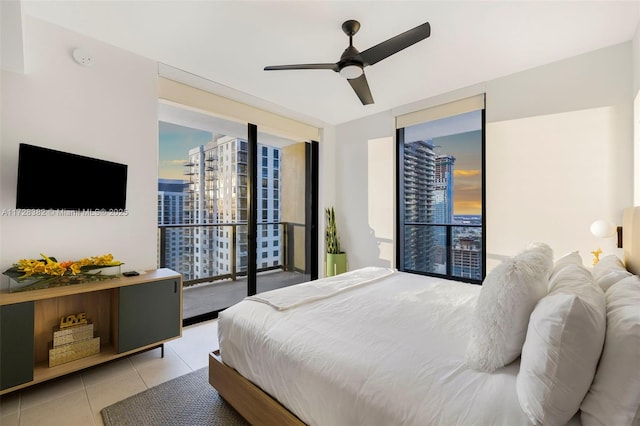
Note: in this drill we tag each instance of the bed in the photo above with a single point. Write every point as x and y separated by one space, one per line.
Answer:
380 347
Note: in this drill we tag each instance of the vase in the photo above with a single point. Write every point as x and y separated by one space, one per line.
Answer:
336 264
40 282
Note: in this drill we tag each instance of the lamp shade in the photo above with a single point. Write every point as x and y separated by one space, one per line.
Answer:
603 229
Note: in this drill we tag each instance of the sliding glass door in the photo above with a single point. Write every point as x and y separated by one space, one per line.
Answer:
222 212
283 192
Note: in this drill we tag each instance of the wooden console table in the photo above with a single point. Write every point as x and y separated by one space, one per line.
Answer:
129 314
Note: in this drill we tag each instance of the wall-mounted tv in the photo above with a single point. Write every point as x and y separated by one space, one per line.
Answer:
50 179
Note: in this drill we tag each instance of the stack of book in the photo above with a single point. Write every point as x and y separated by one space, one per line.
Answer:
72 343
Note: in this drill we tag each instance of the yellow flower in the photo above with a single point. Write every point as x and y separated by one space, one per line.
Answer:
75 268
54 268
105 260
47 271
49 266
30 267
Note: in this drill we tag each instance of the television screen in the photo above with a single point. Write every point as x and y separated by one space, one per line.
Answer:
50 179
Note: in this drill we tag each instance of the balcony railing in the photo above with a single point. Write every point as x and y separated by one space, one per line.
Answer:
433 249
203 241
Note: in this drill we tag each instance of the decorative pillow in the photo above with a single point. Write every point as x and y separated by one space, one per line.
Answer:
609 271
508 295
572 258
614 397
564 342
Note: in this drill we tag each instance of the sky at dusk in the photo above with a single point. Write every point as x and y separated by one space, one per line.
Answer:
460 136
467 188
175 142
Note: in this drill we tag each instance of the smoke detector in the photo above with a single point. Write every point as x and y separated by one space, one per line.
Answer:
83 57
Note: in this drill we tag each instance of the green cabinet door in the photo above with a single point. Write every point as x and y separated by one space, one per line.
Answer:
16 344
148 313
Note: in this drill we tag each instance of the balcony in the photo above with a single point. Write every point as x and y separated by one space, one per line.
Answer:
214 264
206 297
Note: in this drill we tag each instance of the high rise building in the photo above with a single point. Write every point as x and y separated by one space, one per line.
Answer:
466 256
218 194
419 170
171 199
200 169
269 215
443 204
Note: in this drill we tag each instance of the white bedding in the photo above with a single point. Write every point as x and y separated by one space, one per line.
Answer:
391 352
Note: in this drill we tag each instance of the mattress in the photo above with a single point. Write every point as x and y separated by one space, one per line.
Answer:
385 351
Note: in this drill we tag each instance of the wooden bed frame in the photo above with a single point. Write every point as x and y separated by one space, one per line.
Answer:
255 405
260 409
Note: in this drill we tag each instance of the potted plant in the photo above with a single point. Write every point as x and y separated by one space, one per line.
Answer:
336 260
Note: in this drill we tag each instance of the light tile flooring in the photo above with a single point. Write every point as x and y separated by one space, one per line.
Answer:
76 399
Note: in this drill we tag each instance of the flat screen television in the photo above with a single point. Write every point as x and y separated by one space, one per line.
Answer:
50 179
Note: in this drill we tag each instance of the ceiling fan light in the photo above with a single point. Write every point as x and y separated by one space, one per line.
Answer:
351 71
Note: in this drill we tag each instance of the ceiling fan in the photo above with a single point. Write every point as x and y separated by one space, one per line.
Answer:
352 62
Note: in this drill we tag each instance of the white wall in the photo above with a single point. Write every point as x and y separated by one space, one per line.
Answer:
569 148
109 111
579 108
11 46
636 90
326 187
636 58
541 188
361 230
636 149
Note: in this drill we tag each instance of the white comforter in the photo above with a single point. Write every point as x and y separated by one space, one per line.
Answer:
388 352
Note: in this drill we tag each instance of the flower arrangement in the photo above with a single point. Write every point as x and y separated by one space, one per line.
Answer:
48 272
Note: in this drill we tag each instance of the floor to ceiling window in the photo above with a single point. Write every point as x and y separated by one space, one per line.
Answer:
440 154
226 194
282 196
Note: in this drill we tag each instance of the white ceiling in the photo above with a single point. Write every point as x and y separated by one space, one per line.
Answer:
230 42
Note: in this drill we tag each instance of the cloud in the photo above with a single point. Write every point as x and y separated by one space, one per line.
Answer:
471 188
466 173
172 162
468 207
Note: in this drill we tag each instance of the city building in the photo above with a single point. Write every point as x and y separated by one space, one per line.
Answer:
200 170
443 204
429 199
217 199
419 170
171 201
467 256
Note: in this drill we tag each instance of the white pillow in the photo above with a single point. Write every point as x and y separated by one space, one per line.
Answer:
608 271
508 295
614 397
564 341
572 258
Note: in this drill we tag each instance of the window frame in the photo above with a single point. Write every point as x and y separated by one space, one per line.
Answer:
399 202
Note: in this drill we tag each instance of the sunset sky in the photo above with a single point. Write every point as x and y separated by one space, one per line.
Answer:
467 188
175 143
460 136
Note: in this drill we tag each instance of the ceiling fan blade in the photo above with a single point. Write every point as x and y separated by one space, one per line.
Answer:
395 44
361 87
333 67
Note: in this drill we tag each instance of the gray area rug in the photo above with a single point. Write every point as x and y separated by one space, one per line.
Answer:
187 400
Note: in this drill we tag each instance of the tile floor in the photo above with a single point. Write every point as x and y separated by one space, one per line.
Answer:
76 399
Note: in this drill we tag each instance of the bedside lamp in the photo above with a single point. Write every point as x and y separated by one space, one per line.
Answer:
601 229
